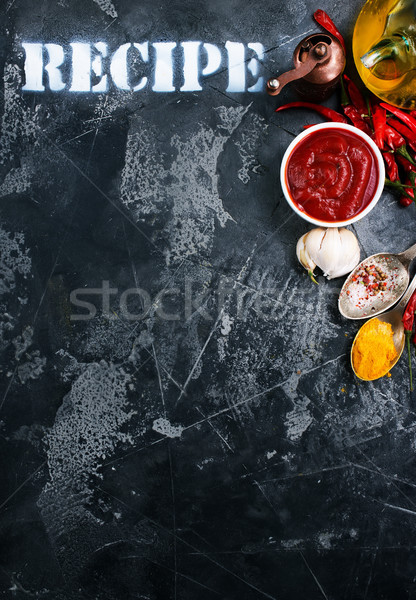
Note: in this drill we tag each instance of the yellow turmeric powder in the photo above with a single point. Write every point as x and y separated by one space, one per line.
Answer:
373 351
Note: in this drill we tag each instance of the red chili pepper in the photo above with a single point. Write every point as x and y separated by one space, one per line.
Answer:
325 21
407 133
356 119
405 201
393 138
413 114
354 109
356 97
378 114
409 313
328 113
409 358
408 320
402 150
408 198
405 164
405 117
392 168
406 189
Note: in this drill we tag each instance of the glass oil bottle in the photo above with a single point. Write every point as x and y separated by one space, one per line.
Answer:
384 48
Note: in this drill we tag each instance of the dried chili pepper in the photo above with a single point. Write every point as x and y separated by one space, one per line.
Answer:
378 114
407 133
397 142
356 119
407 166
406 190
328 113
406 118
408 320
351 111
325 21
408 198
409 313
393 138
356 97
402 150
392 168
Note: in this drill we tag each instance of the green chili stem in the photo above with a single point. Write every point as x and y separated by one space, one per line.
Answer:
397 185
401 187
403 151
345 101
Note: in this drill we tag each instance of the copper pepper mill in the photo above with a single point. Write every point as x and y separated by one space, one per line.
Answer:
319 60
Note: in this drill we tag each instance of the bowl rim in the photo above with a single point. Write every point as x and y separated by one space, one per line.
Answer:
359 133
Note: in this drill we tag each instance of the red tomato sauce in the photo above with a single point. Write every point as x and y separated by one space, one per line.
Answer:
332 175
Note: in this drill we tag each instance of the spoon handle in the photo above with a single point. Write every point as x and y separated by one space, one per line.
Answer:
408 255
406 296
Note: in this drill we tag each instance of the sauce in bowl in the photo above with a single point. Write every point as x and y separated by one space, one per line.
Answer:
332 174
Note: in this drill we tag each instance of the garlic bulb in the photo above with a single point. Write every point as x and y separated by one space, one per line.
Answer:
333 250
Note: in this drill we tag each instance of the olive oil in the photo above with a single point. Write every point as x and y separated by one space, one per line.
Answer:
384 49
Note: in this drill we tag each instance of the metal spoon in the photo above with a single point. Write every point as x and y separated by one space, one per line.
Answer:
394 317
357 300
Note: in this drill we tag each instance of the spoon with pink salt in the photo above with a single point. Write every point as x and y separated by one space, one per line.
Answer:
376 284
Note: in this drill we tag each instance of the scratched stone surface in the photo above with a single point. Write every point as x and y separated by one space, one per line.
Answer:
200 434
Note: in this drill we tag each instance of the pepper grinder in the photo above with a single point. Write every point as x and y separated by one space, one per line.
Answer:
319 60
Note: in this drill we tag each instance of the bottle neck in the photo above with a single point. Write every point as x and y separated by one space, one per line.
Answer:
389 58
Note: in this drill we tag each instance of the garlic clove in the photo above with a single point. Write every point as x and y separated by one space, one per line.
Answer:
315 249
303 255
350 251
335 251
328 256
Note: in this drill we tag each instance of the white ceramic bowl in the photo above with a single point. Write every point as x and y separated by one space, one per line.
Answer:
380 165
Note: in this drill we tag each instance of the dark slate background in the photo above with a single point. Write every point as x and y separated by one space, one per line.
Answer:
229 453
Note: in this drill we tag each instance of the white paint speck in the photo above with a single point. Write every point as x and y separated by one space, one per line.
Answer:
250 140
31 368
226 324
16 181
184 181
164 427
289 544
298 420
14 258
204 462
326 539
108 7
18 124
88 427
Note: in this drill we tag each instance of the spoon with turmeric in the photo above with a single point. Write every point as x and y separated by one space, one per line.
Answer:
376 284
379 343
